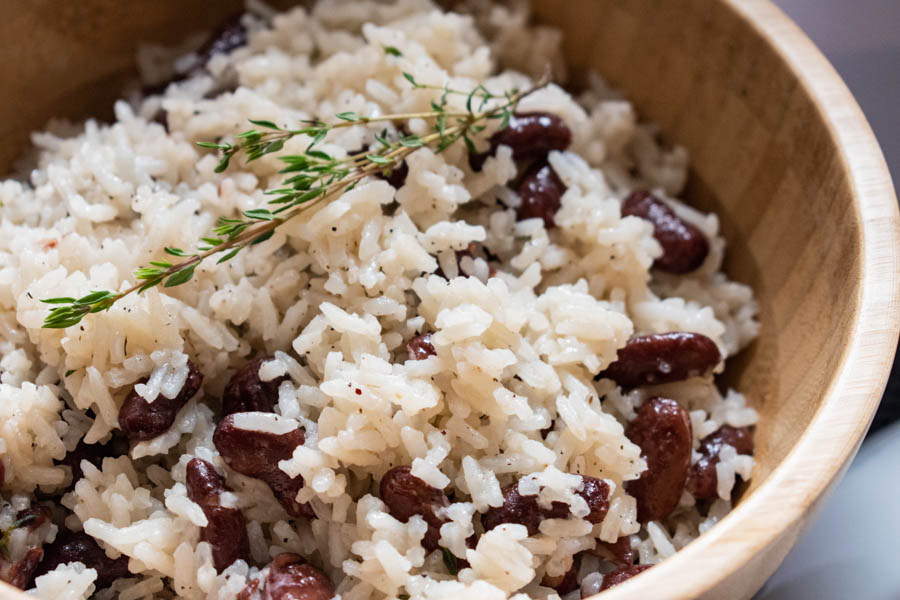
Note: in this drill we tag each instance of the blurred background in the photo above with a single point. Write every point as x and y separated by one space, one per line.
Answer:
849 551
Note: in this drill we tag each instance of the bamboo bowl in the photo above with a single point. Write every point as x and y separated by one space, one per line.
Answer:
780 150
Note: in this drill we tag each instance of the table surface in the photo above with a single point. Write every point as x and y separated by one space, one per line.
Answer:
846 552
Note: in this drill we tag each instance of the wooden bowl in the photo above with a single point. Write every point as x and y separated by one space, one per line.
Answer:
779 150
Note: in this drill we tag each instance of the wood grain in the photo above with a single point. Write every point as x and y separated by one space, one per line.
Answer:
780 151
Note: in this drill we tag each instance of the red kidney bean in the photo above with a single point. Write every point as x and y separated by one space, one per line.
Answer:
34 516
71 546
662 429
142 420
622 574
567 582
523 510
419 347
227 37
257 454
684 246
203 482
20 572
250 591
703 481
526 511
406 495
619 552
93 453
533 134
290 577
246 392
226 531
663 358
596 493
540 193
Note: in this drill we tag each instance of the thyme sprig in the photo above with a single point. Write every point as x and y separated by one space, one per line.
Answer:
312 177
4 538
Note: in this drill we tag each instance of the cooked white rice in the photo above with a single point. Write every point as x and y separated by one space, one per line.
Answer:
334 296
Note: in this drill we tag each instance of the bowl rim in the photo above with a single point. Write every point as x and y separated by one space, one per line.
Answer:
829 443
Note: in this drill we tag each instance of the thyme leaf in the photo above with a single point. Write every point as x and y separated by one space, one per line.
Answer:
450 561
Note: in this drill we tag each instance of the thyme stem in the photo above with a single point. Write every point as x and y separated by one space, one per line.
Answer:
315 176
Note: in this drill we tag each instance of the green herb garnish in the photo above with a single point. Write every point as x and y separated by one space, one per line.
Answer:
4 539
450 561
311 177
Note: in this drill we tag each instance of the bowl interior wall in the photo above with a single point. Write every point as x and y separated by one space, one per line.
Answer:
756 141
